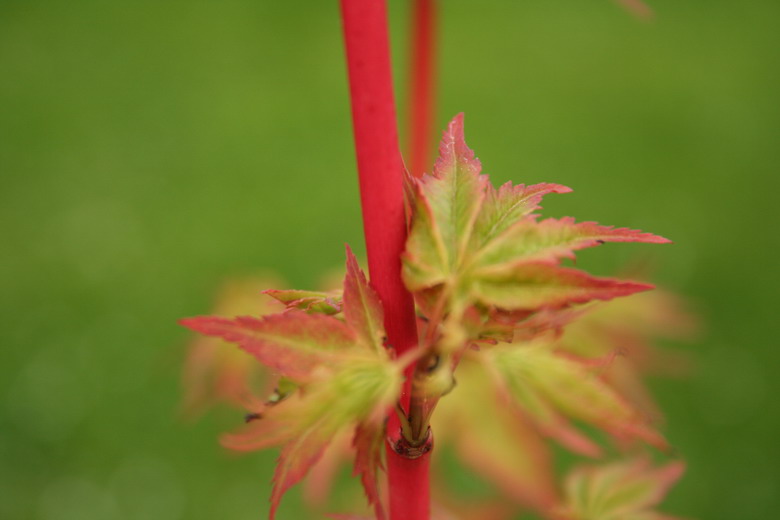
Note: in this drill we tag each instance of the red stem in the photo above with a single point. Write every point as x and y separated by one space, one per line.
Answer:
380 170
421 85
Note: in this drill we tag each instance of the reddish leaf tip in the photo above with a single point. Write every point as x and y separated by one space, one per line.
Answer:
208 325
553 188
608 233
455 125
453 149
352 262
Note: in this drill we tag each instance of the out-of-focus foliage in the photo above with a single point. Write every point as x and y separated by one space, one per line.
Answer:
620 491
504 442
150 149
214 371
491 441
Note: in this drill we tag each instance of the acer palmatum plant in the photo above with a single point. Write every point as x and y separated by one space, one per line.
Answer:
466 279
494 305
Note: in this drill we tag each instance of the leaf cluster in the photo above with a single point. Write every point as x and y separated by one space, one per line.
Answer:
330 350
494 300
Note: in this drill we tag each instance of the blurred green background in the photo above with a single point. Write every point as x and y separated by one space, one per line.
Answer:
150 149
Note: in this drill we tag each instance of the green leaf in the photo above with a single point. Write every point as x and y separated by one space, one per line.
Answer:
534 406
336 376
537 285
535 373
508 205
359 392
548 241
632 327
447 205
472 244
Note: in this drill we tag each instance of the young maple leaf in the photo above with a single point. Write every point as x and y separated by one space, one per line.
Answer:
546 386
470 244
347 382
498 444
632 327
215 372
619 491
634 324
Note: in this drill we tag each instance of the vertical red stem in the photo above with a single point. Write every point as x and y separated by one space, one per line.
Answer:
380 170
422 75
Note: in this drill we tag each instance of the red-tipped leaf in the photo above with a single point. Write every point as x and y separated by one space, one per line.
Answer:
549 240
539 286
362 308
293 343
